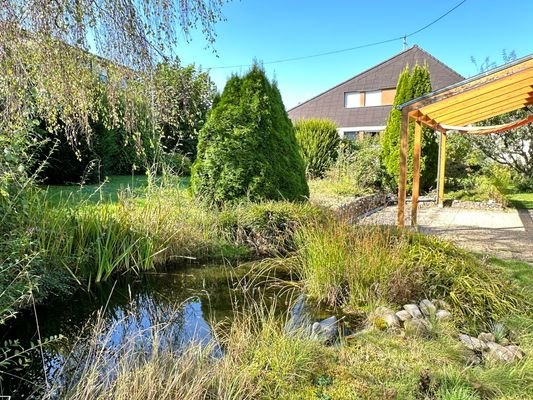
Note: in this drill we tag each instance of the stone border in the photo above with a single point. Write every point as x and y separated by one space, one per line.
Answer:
362 206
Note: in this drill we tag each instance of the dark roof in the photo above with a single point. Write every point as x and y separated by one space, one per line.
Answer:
330 104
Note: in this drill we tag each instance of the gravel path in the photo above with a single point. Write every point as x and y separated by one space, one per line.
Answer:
502 233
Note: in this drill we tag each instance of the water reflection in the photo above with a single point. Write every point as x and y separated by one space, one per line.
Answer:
183 305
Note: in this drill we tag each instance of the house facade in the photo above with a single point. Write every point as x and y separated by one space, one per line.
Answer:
361 105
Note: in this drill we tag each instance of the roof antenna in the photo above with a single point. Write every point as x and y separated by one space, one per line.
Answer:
404 42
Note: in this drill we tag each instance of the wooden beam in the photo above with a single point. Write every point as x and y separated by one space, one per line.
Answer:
516 71
490 90
402 184
483 114
416 172
441 170
482 104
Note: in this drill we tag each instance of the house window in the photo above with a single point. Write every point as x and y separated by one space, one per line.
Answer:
352 99
350 135
373 98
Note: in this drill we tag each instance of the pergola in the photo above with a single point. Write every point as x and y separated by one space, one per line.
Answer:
456 108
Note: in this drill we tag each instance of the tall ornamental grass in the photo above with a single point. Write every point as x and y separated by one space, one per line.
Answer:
365 265
94 241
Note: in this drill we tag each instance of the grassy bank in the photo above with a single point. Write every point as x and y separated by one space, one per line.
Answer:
68 235
261 361
363 266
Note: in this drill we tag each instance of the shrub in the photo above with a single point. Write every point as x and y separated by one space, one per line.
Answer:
183 97
247 148
319 142
176 164
356 171
462 158
269 227
410 85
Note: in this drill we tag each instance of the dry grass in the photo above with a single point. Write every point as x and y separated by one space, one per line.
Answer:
259 361
343 264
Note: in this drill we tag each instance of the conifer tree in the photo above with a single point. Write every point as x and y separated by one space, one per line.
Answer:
411 84
247 148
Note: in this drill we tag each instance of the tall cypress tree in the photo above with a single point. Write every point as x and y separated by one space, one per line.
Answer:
411 84
247 148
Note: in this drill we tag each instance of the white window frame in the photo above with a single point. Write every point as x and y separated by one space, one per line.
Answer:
357 101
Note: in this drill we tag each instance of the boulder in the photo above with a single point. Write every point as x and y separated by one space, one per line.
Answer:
416 327
486 337
387 316
443 315
517 352
299 320
325 331
506 354
427 308
473 343
403 315
413 310
440 304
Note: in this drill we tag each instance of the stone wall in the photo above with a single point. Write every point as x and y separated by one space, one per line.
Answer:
361 206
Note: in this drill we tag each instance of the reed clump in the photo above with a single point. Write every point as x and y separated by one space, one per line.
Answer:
250 358
362 265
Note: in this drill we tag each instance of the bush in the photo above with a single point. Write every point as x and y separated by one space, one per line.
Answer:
247 148
268 228
319 142
356 171
410 85
492 182
463 160
176 164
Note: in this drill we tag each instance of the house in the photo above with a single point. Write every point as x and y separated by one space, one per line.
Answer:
362 104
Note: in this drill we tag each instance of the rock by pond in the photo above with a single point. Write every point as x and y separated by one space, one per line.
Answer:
300 322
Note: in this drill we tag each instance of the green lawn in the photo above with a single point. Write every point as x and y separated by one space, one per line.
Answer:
108 191
521 200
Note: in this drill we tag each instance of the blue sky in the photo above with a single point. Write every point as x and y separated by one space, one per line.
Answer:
269 30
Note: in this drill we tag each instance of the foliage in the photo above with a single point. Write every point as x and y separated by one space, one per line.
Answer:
491 182
52 80
183 95
463 160
364 265
319 141
357 171
176 164
268 227
247 147
513 149
411 84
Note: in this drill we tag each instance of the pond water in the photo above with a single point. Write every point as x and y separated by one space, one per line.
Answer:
187 302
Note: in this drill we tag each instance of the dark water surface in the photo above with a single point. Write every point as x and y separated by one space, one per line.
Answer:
187 302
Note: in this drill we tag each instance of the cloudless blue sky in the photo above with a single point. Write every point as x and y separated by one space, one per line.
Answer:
269 30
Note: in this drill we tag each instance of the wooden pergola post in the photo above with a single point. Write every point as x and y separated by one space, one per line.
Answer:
456 108
416 171
441 169
402 184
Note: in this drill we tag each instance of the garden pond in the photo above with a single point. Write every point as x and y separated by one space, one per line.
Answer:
188 301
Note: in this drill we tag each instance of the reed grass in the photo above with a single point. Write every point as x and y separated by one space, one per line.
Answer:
258 361
342 264
97 240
